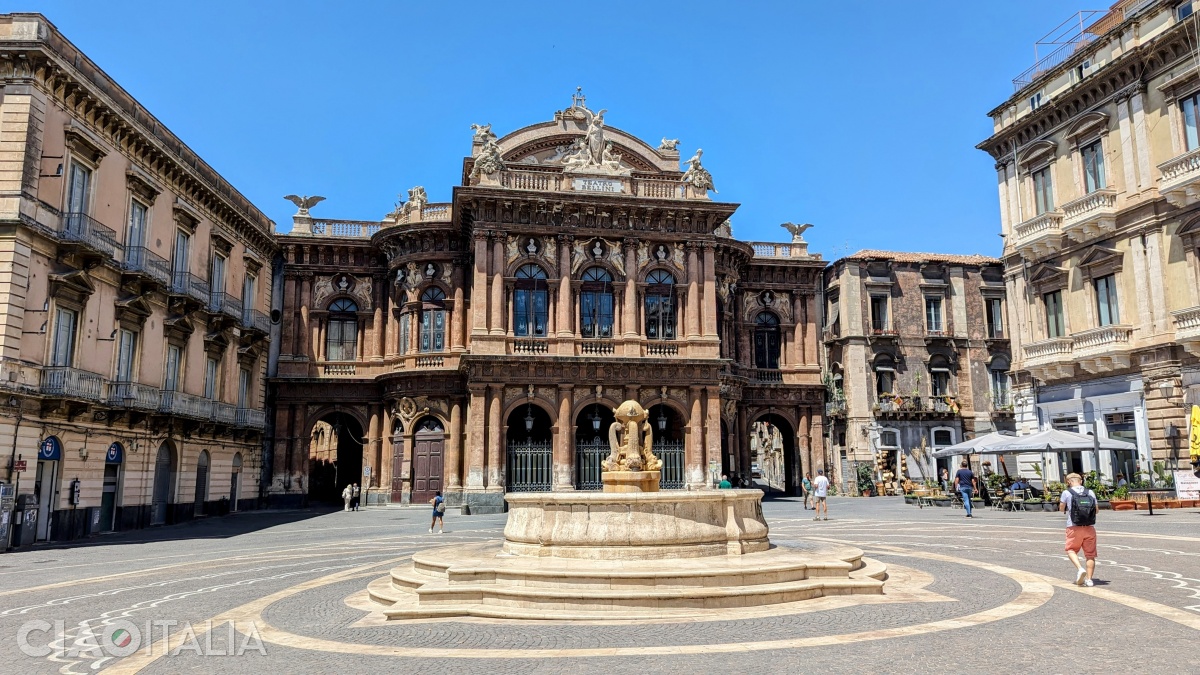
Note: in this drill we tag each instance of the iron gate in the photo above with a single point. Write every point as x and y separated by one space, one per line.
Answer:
530 466
589 458
673 475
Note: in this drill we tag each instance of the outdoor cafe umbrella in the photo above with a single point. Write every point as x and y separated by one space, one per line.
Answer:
974 446
1057 440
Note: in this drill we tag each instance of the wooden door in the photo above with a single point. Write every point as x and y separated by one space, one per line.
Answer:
427 465
397 468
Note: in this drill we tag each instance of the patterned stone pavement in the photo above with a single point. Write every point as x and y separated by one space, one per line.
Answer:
965 594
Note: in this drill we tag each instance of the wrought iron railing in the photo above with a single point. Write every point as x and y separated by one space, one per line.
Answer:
133 396
72 383
82 228
589 459
186 283
249 418
185 405
674 468
144 261
224 303
223 413
253 319
530 466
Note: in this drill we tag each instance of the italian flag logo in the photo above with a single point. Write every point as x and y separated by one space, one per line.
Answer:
121 638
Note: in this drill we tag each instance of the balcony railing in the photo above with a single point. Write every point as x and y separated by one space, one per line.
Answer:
835 408
1101 340
1001 401
658 189
19 376
355 229
252 319
530 346
430 213
188 284
82 228
430 361
1187 329
1039 236
765 375
770 249
180 404
249 418
223 413
530 180
1090 216
596 347
1178 183
339 369
141 260
662 349
72 383
224 303
943 404
133 396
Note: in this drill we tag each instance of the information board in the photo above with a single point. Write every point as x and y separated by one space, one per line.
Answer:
1187 485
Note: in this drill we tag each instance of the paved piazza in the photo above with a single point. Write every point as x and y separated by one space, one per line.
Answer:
973 593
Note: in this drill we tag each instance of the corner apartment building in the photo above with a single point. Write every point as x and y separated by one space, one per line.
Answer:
1098 166
917 356
135 295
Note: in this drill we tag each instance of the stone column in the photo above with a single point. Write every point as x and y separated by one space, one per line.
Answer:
800 352
476 414
629 315
743 434
816 432
564 441
694 452
479 286
453 458
693 294
456 315
303 329
377 320
285 439
495 451
710 290
804 443
290 296
497 301
565 303
373 450
298 463
712 422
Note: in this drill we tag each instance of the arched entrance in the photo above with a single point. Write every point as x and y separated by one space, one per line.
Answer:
667 426
334 456
591 444
530 450
774 464
429 446
164 483
201 482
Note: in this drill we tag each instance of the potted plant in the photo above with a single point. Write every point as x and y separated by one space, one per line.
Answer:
1120 500
1034 504
866 479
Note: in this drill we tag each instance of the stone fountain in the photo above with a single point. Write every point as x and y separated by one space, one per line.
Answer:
629 552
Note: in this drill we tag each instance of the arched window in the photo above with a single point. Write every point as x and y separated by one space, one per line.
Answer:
530 298
341 335
766 341
433 320
596 303
660 305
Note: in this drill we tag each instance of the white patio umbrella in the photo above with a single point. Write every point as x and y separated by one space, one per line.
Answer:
1056 440
975 446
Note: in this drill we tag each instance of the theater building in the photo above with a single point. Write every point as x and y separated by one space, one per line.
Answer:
478 347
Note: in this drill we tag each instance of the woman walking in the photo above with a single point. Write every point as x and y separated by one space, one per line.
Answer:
806 484
439 510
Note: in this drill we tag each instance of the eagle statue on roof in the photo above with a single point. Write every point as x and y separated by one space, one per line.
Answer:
304 203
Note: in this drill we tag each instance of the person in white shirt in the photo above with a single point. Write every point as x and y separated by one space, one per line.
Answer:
820 493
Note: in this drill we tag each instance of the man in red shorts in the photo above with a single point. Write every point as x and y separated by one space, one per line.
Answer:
1079 503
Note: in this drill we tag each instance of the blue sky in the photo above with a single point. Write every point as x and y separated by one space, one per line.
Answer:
859 117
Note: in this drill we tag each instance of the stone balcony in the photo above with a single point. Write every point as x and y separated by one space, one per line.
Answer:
1187 329
1091 216
1179 183
1040 236
1051 359
1100 350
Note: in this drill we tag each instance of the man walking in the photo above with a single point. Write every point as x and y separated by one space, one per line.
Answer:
965 484
354 498
1079 503
820 492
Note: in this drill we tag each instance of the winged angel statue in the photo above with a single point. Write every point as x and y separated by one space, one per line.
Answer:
304 203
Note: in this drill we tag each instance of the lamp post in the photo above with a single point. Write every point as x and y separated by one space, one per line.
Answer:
1095 435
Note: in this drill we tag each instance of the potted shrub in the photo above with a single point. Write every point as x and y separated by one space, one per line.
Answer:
866 478
1120 499
1034 504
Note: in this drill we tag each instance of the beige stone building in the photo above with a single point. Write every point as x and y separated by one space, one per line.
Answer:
135 290
917 357
1098 163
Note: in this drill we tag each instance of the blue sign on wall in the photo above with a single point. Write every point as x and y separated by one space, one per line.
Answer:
50 449
115 454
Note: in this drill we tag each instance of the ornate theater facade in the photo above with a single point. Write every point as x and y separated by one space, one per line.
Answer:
478 347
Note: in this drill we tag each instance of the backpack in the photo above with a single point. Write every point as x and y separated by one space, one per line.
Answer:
441 506
1083 508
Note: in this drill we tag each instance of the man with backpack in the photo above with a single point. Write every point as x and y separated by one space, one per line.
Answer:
1079 503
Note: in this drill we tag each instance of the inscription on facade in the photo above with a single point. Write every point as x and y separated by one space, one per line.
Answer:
597 185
